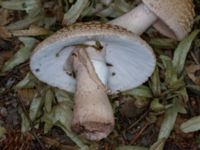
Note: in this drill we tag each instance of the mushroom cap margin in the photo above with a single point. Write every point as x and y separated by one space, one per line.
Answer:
132 58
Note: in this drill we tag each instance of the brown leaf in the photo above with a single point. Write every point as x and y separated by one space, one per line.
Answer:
26 95
4 56
4 33
5 16
55 9
128 107
32 31
191 72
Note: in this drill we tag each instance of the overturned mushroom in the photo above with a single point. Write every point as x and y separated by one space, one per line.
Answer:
122 61
173 18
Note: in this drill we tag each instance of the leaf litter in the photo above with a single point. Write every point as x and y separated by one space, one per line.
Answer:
167 96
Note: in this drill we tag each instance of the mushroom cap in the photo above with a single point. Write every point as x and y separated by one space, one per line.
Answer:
131 60
176 16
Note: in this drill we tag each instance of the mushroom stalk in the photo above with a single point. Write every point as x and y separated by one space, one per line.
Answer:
137 20
93 114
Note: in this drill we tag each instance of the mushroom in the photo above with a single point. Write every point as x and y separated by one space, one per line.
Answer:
120 62
172 18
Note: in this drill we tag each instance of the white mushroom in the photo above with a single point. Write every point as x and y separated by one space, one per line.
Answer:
173 18
125 61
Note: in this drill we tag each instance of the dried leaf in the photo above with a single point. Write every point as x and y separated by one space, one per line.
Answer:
61 116
191 125
22 54
5 16
191 73
4 33
25 124
110 11
47 22
106 2
75 11
122 5
4 55
182 50
63 96
131 148
2 132
36 107
49 98
13 5
29 81
32 31
26 95
78 141
32 7
27 21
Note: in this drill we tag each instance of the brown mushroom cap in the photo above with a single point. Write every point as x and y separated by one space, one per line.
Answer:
176 16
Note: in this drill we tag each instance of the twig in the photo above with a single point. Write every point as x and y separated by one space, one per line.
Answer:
137 121
194 58
31 124
139 134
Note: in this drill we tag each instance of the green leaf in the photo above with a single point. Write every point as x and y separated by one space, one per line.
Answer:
75 11
2 132
32 7
28 82
115 9
61 113
168 122
109 11
180 105
142 91
61 116
75 138
191 125
13 5
25 124
182 51
28 20
122 6
163 43
131 148
36 107
63 96
156 105
170 73
155 83
158 145
183 93
177 85
49 98
22 55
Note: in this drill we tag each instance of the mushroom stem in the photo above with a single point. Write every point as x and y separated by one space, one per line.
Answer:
93 114
137 20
